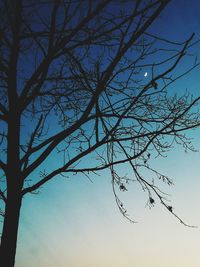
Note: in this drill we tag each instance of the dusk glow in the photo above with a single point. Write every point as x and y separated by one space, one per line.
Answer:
123 188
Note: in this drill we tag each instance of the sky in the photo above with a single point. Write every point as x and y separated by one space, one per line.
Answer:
75 222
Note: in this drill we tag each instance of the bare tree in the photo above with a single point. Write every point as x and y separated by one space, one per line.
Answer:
73 87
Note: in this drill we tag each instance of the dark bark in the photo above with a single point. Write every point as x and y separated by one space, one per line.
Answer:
13 203
13 168
14 188
10 229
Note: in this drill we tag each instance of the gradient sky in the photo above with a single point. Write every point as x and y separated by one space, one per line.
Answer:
76 223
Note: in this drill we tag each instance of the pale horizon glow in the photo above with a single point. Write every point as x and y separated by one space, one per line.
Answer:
76 223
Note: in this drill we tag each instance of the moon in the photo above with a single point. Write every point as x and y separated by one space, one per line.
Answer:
145 75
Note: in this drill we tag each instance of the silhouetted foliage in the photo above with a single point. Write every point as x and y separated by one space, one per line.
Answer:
86 82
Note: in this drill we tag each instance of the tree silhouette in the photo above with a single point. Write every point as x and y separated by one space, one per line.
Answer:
86 83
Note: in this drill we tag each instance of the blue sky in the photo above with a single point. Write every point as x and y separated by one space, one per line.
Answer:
76 223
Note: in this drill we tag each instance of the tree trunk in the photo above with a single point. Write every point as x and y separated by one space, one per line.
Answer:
10 229
13 167
14 187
